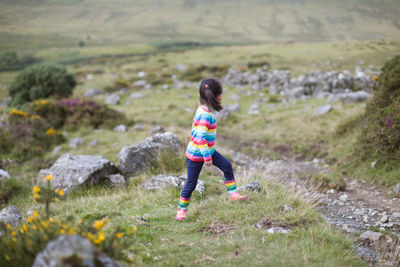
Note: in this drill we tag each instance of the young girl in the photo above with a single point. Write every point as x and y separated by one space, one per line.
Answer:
201 148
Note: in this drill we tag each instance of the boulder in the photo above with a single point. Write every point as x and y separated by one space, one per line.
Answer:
4 175
116 180
136 96
72 250
161 181
371 236
354 97
120 128
223 114
112 99
322 110
10 215
253 186
138 127
92 93
138 157
70 171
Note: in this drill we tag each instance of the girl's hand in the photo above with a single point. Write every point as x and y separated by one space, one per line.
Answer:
208 163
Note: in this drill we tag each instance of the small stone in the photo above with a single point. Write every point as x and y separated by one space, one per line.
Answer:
141 74
287 208
331 191
10 215
343 198
73 143
396 189
92 93
372 236
116 180
254 186
138 127
136 96
384 219
93 142
120 128
157 129
279 230
4 175
112 99
322 110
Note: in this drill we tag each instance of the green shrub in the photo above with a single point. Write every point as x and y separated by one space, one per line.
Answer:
12 61
41 81
9 188
381 128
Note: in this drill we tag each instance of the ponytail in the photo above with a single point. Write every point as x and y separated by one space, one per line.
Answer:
209 91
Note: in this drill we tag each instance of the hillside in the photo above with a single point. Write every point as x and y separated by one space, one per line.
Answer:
58 23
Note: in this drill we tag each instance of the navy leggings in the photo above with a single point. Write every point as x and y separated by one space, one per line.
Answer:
194 168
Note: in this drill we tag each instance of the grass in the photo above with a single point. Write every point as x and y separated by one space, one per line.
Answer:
216 232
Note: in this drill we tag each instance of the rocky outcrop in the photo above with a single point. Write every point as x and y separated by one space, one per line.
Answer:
72 250
313 84
70 171
137 158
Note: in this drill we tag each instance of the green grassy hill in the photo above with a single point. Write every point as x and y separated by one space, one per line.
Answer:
59 23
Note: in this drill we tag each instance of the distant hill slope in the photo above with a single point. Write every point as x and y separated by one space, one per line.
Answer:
44 23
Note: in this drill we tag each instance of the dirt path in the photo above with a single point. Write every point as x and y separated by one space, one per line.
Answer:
360 207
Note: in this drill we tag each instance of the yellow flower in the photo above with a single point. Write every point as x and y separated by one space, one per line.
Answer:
8 226
31 219
25 227
90 236
48 178
80 221
13 233
100 239
35 117
14 239
44 224
99 224
36 189
35 213
375 78
57 190
34 227
71 232
22 231
36 196
18 113
134 228
119 235
61 193
62 231
7 257
51 131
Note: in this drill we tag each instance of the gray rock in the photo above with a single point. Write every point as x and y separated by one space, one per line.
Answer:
371 236
354 97
56 150
136 96
278 230
223 114
139 83
92 93
4 175
161 181
5 101
93 142
68 250
322 110
165 86
138 127
116 180
253 110
74 143
113 99
157 129
10 215
396 189
120 128
253 186
142 74
137 158
181 67
287 208
343 198
71 171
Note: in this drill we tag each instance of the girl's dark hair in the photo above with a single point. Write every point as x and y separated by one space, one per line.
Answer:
210 89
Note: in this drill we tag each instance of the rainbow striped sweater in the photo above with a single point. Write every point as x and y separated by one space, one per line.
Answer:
202 137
